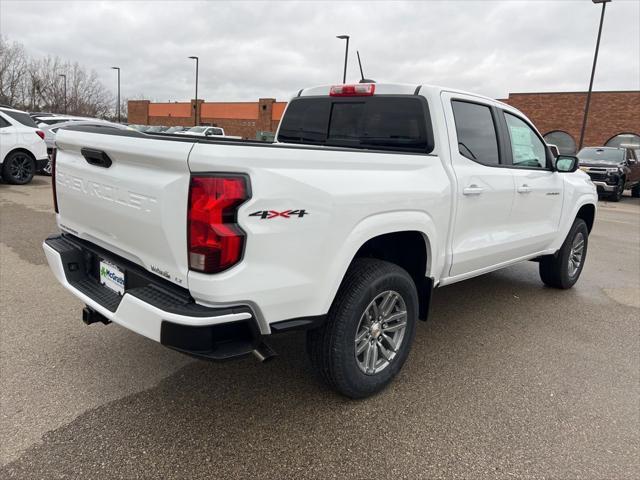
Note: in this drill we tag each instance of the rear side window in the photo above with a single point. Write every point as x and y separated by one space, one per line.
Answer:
21 117
477 139
379 123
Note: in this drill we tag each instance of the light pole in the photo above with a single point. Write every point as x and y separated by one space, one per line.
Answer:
118 106
346 56
65 90
196 106
593 71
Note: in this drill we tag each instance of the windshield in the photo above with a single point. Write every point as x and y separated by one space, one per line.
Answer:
605 155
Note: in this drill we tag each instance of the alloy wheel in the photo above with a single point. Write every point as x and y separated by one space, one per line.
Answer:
380 332
21 168
576 254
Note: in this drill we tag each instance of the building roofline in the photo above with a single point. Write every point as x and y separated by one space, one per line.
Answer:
573 93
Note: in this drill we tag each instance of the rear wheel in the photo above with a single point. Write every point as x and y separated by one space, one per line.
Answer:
18 168
563 269
369 329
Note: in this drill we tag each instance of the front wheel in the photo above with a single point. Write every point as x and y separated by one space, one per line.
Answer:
369 329
563 269
617 194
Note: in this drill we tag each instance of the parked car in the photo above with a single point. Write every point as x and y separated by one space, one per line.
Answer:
554 150
36 115
47 119
139 128
22 148
50 132
156 129
204 131
176 129
372 196
612 170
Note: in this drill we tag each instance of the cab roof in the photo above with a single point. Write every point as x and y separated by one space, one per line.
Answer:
395 89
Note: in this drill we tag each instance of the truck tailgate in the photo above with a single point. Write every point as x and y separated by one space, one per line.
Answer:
135 207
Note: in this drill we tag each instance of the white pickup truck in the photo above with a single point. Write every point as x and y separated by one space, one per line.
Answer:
372 196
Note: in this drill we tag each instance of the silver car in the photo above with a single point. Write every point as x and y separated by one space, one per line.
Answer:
51 130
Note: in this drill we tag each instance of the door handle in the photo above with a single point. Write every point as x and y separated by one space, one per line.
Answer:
524 188
96 157
472 189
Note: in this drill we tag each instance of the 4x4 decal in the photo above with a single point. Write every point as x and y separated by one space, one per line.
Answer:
269 214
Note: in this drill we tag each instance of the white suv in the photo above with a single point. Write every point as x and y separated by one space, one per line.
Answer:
22 148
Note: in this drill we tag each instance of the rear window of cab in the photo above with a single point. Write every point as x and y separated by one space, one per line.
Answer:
383 122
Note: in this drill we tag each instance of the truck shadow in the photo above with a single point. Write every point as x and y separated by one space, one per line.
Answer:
275 420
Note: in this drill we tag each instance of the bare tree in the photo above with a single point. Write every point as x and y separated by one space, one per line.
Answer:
35 84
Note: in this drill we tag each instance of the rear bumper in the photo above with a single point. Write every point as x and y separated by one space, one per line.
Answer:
152 306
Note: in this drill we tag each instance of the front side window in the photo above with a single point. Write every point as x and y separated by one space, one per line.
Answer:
4 123
526 147
477 139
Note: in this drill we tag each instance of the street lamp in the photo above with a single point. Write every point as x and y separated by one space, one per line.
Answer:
196 106
65 90
118 106
593 71
346 56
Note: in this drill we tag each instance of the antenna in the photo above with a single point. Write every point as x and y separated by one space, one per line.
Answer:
362 79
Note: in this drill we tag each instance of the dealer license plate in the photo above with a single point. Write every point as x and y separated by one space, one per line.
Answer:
111 276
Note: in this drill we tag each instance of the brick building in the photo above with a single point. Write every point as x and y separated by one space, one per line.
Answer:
243 119
614 117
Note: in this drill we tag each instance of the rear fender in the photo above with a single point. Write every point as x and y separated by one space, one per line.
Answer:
376 225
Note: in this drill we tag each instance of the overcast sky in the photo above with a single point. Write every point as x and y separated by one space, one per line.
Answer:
271 49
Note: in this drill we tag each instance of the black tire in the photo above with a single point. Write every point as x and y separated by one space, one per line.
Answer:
617 195
555 270
635 191
332 347
18 168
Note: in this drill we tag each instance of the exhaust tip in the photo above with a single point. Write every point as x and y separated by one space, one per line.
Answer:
264 353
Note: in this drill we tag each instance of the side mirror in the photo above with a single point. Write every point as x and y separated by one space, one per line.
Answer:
566 163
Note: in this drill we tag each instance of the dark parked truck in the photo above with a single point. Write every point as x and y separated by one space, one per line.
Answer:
612 169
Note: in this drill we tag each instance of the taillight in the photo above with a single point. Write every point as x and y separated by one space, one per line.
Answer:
40 133
53 179
357 90
216 242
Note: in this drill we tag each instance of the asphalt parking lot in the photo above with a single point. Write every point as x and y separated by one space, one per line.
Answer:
508 379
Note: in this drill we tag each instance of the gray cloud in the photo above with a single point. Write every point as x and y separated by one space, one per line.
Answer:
260 49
